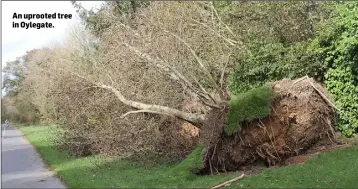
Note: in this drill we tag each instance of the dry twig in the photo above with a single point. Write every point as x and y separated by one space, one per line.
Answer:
318 91
229 182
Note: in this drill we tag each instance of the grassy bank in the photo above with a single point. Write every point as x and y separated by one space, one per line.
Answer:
336 169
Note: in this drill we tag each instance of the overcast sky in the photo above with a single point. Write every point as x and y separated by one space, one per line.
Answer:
16 41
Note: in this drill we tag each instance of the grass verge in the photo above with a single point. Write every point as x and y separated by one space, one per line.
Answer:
247 106
336 169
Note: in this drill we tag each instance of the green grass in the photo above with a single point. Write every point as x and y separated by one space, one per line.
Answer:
247 106
100 172
336 169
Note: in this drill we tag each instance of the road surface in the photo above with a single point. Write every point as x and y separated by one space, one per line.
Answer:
22 166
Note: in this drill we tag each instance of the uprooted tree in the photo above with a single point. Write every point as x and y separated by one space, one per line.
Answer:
157 44
125 83
112 87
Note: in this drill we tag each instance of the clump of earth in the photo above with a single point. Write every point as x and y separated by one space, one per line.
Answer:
300 118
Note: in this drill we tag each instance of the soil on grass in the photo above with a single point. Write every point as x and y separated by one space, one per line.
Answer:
300 119
257 167
315 150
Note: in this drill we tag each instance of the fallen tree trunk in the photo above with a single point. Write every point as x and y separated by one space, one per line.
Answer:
190 117
194 118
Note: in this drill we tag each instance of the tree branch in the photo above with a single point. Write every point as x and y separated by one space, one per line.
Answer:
194 54
229 182
208 95
169 69
230 41
223 72
219 18
145 111
190 117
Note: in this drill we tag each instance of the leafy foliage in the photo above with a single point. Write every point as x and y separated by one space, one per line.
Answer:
17 103
97 22
327 52
271 61
13 75
247 106
277 36
337 46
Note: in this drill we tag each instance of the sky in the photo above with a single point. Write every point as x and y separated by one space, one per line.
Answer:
16 41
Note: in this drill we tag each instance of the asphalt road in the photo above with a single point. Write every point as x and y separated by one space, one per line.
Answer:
22 166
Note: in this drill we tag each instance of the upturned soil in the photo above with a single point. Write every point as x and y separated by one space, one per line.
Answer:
300 119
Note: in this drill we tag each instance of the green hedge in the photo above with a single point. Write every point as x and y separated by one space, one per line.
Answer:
337 46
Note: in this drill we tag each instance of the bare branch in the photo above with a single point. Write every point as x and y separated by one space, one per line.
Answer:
229 182
209 96
223 71
219 18
129 28
194 54
169 69
157 62
230 41
145 111
190 117
121 24
209 104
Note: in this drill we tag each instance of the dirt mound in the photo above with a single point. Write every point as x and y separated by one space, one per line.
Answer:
300 118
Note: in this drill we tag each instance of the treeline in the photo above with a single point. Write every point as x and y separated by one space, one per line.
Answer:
120 82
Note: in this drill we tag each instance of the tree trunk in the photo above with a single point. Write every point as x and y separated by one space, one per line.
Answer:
190 117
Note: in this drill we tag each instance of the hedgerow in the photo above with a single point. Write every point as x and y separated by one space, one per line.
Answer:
337 46
272 61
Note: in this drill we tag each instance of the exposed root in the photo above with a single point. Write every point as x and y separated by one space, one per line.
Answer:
300 118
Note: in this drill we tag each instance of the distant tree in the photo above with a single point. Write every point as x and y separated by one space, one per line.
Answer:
13 75
97 22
